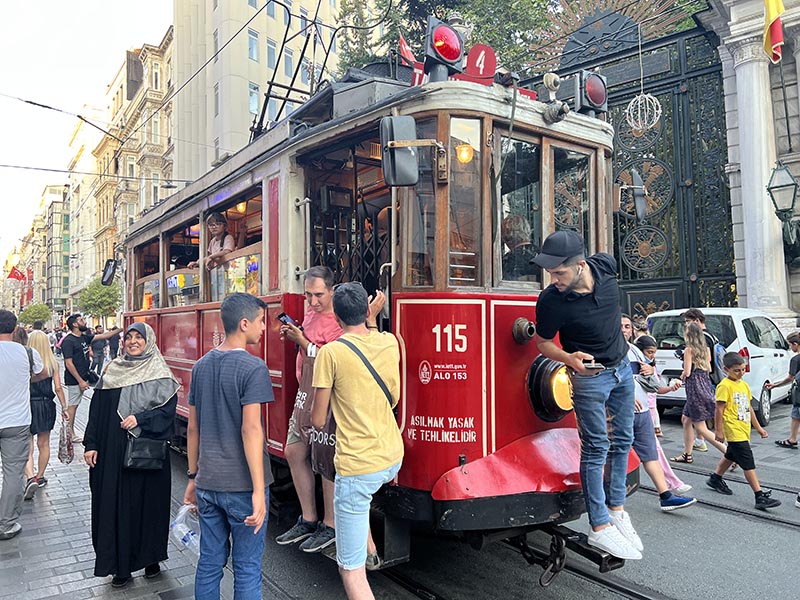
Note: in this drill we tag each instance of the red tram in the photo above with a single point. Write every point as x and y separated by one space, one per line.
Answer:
491 447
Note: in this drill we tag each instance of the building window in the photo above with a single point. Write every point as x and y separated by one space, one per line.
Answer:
288 62
215 44
304 71
142 193
332 3
271 9
145 120
156 186
272 51
155 130
289 108
304 22
287 12
131 172
272 109
253 94
333 40
216 99
252 45
216 148
253 3
156 83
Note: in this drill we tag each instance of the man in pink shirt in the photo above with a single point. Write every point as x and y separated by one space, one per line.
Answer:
319 327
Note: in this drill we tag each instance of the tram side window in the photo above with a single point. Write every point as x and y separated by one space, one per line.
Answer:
183 282
571 191
520 196
239 269
465 203
420 210
148 277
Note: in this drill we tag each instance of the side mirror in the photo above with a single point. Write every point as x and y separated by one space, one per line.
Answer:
109 270
400 163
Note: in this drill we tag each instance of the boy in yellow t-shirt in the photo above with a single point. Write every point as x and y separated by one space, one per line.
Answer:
732 421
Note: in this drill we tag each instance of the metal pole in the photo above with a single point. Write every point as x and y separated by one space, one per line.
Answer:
785 107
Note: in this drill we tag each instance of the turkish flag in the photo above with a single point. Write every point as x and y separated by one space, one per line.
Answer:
15 273
773 29
405 50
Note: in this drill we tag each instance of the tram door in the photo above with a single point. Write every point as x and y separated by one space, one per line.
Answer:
351 216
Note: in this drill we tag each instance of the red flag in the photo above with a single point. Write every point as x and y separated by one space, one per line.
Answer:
773 29
405 50
15 273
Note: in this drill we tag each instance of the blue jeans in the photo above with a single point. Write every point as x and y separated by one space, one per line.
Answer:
221 516
352 496
604 410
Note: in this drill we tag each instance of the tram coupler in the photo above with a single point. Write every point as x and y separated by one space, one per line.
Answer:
579 543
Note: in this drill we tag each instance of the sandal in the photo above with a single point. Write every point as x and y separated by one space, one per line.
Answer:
786 444
683 458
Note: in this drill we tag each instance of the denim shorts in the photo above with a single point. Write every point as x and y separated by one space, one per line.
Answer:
352 495
644 437
796 411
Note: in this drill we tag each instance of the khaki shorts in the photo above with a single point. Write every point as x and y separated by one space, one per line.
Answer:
74 395
292 432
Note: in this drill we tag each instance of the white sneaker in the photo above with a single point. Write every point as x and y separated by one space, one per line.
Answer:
700 446
681 490
621 520
613 542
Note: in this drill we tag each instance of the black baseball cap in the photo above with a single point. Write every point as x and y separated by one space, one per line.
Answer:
558 248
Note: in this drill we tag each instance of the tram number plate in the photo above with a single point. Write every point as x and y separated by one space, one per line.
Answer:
454 337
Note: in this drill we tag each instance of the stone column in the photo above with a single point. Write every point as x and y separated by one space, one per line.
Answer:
765 271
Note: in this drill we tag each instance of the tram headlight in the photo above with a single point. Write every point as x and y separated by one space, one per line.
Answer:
549 389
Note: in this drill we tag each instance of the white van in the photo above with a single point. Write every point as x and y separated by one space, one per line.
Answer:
749 332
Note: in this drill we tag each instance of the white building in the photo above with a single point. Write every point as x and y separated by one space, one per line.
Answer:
213 114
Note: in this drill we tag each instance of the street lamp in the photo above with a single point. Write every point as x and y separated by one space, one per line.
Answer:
782 189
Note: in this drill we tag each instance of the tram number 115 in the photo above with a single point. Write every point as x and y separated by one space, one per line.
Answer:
455 337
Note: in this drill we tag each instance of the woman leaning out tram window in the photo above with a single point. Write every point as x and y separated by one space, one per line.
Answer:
220 243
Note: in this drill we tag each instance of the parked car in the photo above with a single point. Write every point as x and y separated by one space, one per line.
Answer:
749 332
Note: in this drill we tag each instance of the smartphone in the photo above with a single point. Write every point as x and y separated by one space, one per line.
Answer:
593 366
287 320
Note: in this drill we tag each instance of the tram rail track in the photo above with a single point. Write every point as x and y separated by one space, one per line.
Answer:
763 516
735 478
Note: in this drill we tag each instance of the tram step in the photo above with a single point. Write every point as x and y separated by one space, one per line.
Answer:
579 543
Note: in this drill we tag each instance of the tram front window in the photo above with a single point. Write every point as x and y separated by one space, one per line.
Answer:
465 202
421 214
571 191
520 196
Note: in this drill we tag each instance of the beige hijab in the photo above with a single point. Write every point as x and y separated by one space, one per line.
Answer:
146 381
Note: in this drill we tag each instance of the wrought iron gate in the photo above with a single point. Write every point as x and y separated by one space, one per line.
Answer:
681 254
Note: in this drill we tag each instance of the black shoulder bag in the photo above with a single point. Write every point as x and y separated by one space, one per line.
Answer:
144 453
369 366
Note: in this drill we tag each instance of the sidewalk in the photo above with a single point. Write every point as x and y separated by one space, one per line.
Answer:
52 557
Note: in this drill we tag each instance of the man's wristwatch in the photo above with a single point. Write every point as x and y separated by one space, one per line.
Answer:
191 475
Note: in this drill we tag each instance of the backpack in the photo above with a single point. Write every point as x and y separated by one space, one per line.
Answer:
717 350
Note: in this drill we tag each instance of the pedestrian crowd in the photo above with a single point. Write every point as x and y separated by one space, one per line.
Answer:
342 426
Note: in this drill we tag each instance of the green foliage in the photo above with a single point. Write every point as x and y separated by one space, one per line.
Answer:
509 27
35 312
100 300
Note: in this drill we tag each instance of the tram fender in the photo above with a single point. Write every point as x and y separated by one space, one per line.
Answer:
555 453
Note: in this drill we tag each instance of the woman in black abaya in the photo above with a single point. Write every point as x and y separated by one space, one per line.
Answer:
130 507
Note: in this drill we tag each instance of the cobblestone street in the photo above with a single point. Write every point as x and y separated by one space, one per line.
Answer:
53 557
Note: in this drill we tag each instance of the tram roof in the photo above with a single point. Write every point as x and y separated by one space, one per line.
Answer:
307 128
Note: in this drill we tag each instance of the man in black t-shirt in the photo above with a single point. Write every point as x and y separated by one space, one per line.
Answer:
75 349
581 306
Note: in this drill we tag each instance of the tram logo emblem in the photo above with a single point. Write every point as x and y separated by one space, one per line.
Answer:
425 372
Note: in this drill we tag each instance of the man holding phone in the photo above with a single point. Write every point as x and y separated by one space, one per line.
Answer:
319 328
581 305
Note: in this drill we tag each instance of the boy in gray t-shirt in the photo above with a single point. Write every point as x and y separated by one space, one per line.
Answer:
227 451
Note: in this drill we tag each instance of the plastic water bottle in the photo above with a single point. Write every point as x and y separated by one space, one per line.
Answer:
191 542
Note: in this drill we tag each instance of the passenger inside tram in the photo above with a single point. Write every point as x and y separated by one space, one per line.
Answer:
517 265
220 243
